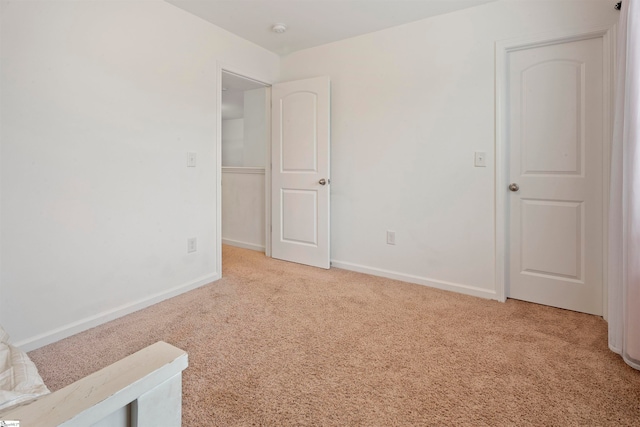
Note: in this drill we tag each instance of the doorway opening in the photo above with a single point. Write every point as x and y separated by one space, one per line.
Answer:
245 140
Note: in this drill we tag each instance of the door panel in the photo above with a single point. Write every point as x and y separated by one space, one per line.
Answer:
556 139
554 250
299 138
300 162
551 132
299 210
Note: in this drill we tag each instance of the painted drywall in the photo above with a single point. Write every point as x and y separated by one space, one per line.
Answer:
244 143
243 207
244 140
256 127
100 102
232 140
410 105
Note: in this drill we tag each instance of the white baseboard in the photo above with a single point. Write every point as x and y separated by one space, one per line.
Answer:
106 316
243 245
438 284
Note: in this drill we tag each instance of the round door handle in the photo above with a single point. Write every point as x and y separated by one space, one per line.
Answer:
514 187
322 181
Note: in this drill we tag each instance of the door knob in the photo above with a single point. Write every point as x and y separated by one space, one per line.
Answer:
322 181
514 187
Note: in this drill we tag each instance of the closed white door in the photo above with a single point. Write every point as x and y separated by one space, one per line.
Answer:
300 171
555 113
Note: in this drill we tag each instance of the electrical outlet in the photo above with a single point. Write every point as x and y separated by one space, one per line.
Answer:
191 160
192 245
480 159
391 237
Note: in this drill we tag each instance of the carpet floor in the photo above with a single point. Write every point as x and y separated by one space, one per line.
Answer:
280 344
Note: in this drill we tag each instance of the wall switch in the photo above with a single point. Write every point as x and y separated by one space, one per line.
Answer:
191 160
480 159
192 245
391 237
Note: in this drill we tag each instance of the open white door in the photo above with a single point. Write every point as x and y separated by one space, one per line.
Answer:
300 171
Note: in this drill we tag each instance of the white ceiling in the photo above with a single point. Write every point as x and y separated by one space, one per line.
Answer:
314 22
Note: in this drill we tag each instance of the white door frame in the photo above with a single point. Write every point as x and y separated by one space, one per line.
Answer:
220 67
503 48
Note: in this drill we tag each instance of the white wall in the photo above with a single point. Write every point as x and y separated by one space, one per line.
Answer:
244 140
100 103
244 143
243 208
410 105
232 142
256 127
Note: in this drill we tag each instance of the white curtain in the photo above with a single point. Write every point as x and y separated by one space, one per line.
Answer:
624 209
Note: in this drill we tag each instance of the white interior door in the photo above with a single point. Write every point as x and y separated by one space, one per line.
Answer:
555 130
300 171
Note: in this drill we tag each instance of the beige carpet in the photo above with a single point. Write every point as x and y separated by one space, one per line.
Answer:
280 344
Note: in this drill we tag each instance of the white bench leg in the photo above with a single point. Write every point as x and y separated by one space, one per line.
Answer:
159 407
